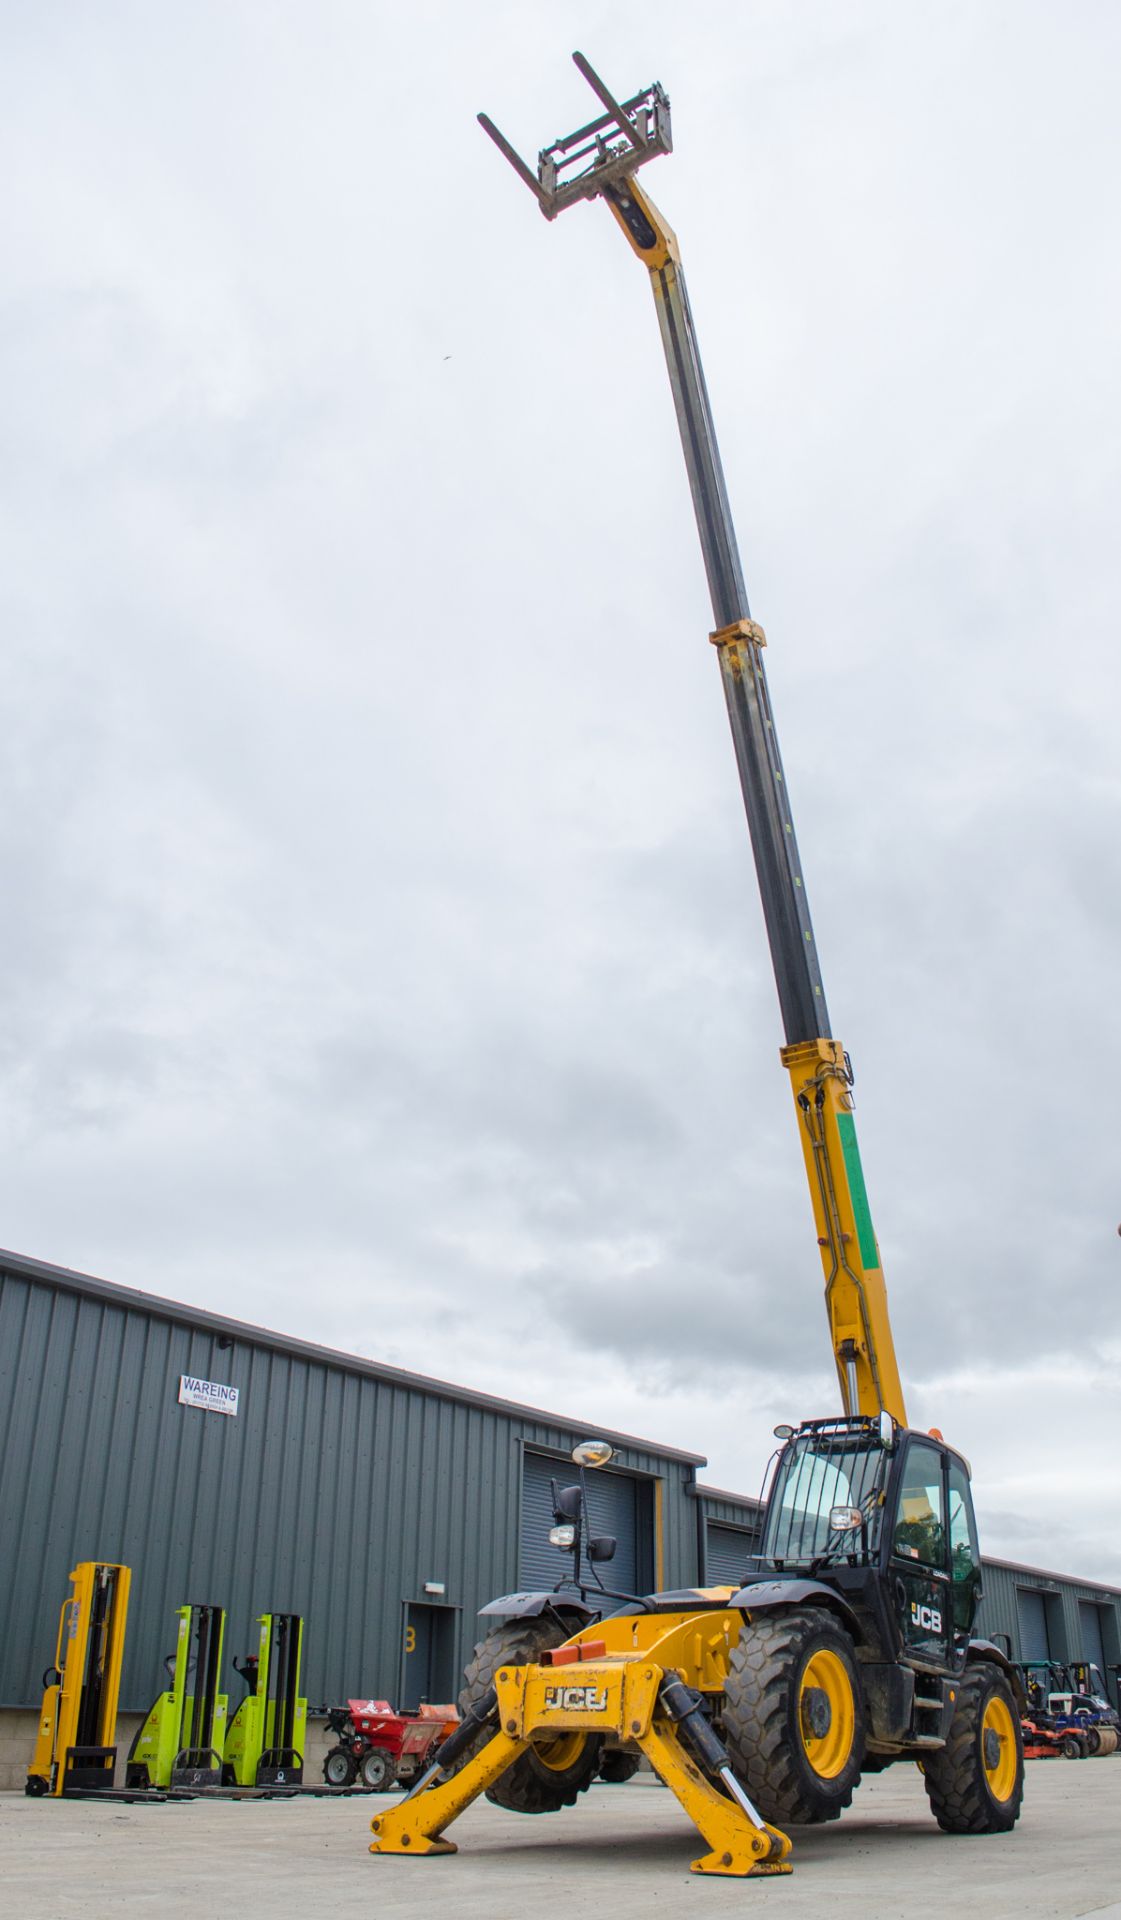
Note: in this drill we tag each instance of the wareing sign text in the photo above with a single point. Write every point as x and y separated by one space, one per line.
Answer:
209 1394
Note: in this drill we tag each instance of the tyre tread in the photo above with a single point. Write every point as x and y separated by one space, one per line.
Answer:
954 1778
756 1718
526 1786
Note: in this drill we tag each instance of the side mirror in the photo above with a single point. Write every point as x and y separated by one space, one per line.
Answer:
602 1547
566 1505
887 1431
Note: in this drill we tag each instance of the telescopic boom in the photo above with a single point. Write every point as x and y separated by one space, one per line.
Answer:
599 161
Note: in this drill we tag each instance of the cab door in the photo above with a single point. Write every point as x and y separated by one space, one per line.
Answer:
920 1554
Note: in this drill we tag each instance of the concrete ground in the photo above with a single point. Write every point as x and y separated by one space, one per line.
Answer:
623 1852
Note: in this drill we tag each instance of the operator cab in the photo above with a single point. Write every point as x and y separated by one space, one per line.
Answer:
856 1498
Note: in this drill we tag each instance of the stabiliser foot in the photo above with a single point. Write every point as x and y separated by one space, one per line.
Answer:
405 1843
738 1865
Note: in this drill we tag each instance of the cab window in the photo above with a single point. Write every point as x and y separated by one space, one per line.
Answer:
965 1558
920 1531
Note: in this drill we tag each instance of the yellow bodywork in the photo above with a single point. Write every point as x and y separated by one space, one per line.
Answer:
613 1693
855 1293
91 1641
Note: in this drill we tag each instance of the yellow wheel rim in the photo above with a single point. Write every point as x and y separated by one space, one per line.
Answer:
561 1751
1001 1776
827 1752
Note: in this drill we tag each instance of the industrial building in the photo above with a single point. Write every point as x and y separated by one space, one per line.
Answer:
232 1465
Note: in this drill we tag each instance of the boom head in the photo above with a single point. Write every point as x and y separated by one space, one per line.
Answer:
599 155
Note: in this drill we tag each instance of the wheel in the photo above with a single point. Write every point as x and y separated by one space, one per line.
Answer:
1093 1740
794 1716
340 1767
1070 1746
36 1786
975 1783
377 1770
617 1765
553 1771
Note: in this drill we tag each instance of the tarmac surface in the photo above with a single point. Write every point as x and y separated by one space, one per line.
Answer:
622 1854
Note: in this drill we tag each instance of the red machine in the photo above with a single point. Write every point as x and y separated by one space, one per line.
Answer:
382 1747
1043 1741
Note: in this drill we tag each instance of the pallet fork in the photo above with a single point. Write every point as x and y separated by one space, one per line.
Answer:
180 1742
75 1747
266 1737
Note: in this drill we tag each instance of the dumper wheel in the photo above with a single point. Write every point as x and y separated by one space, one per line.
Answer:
553 1772
793 1716
975 1783
340 1767
377 1770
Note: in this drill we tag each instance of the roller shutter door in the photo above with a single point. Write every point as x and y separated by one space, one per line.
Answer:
726 1551
1090 1623
1031 1607
612 1508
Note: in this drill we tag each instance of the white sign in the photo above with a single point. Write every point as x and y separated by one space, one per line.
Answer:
206 1393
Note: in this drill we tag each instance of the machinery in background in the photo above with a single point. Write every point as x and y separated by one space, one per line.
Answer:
267 1735
1067 1711
181 1741
75 1749
380 1747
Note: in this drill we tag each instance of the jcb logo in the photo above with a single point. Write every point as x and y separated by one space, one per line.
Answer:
575 1699
927 1617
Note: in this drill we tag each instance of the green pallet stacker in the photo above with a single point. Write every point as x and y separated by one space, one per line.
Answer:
75 1747
181 1741
265 1742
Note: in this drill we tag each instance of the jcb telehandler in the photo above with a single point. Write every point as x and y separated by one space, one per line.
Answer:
851 1647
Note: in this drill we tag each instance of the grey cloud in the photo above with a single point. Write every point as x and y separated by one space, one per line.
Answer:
383 959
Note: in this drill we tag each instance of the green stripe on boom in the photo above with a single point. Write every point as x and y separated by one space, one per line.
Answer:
862 1212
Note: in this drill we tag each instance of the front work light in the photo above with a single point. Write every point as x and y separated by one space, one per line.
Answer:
845 1519
562 1536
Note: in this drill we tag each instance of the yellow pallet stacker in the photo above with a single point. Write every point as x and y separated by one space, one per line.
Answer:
75 1749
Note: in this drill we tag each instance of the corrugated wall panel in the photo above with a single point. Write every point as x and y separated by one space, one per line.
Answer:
332 1493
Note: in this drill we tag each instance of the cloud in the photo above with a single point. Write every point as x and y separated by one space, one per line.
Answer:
383 958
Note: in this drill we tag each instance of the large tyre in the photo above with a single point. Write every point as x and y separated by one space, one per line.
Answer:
553 1772
794 1717
975 1783
617 1766
377 1769
340 1767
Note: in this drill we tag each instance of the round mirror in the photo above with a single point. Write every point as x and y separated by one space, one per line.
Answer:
593 1453
783 1432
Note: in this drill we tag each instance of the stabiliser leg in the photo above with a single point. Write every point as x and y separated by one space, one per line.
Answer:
644 1704
416 1823
741 1841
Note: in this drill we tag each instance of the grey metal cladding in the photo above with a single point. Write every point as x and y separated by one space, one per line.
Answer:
337 1490
1000 1611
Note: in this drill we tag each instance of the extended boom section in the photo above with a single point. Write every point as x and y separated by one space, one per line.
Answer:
602 160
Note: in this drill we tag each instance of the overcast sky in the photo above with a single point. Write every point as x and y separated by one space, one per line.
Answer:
382 959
